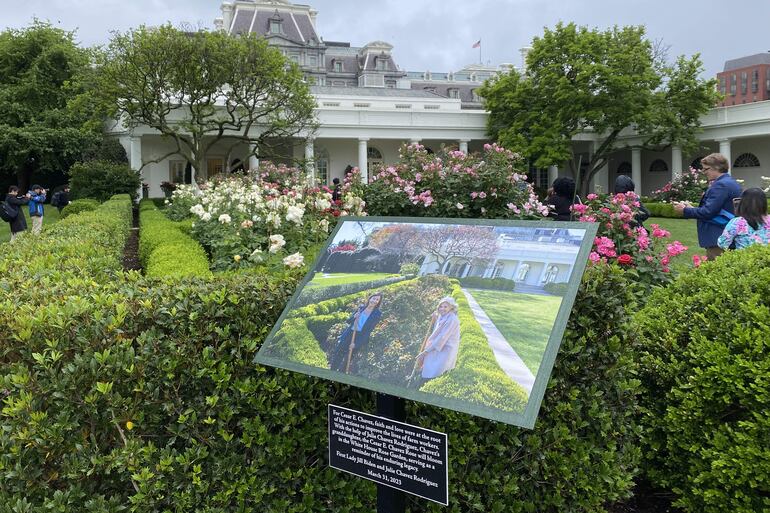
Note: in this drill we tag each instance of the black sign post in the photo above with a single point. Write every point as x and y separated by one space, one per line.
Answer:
390 500
399 457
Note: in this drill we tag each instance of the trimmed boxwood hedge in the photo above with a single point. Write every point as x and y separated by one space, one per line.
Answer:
475 282
124 392
662 210
706 364
165 247
78 206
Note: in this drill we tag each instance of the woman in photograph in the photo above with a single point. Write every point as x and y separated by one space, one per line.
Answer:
355 338
439 353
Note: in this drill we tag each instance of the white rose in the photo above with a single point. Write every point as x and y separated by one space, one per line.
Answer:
225 219
294 214
276 243
294 261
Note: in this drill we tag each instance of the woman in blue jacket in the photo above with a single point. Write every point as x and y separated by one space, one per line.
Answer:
36 199
355 338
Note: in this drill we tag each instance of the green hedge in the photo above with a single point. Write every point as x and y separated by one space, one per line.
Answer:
78 206
211 431
317 294
557 289
706 373
475 282
662 210
165 247
477 376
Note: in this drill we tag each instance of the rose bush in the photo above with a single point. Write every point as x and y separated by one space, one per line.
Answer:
269 217
620 239
690 186
455 184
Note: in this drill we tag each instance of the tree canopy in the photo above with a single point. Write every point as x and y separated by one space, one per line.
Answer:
203 87
48 113
579 79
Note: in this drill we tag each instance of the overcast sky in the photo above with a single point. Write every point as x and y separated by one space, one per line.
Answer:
437 35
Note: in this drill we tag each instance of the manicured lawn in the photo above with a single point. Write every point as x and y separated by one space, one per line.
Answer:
329 279
51 216
683 230
525 320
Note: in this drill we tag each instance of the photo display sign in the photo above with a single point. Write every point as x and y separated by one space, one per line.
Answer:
465 314
405 457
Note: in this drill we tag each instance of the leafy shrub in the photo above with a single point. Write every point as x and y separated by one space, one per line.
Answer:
706 364
108 149
78 206
165 250
557 289
409 269
454 185
662 210
100 179
689 186
317 294
477 376
475 282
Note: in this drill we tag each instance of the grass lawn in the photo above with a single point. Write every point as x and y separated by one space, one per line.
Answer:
685 231
525 320
329 279
50 217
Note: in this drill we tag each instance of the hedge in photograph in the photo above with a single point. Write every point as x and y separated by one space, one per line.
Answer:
474 282
706 374
317 294
165 247
556 289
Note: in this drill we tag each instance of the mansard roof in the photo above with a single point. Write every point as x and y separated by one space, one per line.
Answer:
372 91
297 26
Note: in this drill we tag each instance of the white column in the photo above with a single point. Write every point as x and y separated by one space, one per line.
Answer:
463 144
553 174
362 157
467 270
253 160
490 270
636 168
724 149
676 162
310 160
135 153
601 178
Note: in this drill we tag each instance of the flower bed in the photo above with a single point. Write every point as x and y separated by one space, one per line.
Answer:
269 219
689 186
454 185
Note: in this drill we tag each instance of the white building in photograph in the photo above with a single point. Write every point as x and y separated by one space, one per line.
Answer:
368 106
532 257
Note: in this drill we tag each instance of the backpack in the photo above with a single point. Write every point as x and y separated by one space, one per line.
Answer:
8 213
56 199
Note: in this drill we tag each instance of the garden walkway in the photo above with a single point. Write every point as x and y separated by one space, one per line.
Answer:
506 357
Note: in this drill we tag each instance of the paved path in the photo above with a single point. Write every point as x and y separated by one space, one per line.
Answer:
506 357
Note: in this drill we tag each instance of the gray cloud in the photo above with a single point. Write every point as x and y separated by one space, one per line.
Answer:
437 35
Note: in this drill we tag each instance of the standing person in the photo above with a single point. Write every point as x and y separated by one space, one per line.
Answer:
717 198
61 199
561 198
624 185
441 347
337 190
355 338
36 199
19 223
752 226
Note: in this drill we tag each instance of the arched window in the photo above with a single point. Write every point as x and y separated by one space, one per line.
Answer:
746 160
624 169
658 166
695 164
551 274
523 272
499 266
373 158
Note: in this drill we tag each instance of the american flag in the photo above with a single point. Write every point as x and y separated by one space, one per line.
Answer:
477 44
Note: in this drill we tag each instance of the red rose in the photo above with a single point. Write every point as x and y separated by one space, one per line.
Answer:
625 259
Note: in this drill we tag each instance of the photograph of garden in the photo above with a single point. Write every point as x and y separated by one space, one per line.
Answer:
459 315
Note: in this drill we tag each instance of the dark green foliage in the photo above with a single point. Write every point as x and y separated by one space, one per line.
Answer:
557 289
317 294
409 269
662 210
475 282
705 363
108 149
100 179
166 248
78 206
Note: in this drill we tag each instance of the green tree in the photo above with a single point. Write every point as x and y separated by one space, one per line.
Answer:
48 113
586 80
200 88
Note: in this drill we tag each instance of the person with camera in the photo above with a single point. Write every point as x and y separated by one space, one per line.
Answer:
36 199
61 199
13 204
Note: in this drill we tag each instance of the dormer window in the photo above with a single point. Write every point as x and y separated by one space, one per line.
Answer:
454 93
337 66
381 63
275 27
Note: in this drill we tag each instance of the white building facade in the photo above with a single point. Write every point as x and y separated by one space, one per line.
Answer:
367 108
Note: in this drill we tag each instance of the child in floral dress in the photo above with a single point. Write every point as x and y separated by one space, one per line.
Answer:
751 226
